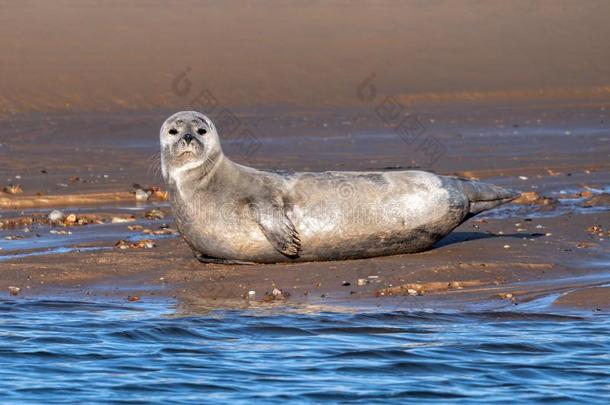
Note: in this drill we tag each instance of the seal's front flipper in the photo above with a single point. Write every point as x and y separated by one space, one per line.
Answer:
278 229
213 260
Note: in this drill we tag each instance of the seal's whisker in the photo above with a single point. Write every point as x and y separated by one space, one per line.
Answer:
154 165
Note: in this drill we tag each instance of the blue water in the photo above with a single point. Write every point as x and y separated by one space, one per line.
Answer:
53 351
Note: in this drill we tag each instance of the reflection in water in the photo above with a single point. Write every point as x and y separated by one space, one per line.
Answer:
52 351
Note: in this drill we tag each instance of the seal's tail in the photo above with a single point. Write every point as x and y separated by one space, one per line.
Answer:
484 196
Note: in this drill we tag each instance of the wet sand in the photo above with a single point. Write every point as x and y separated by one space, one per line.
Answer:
471 267
554 246
516 94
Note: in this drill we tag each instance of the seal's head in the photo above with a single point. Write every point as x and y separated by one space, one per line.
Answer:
188 140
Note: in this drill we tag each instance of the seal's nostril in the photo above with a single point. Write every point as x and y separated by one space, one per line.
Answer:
187 138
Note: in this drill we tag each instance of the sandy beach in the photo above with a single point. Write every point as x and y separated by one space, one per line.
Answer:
553 242
82 109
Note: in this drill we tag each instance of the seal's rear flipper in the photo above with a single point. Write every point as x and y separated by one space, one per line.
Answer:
484 196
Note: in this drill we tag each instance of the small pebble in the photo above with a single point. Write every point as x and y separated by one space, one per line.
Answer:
14 290
506 246
154 214
362 281
251 295
13 189
141 244
70 219
122 244
147 244
276 295
56 216
141 195
60 232
118 220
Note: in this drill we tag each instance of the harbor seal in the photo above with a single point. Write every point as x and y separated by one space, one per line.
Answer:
229 213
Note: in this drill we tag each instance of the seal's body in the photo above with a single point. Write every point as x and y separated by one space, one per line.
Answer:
229 213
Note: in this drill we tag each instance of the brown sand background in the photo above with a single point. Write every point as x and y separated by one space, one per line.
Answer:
101 55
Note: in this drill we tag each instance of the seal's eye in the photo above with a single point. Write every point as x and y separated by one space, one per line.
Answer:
173 131
201 131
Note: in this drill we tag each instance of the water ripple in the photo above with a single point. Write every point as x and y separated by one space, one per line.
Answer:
145 352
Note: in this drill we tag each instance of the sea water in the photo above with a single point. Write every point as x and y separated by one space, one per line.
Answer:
156 352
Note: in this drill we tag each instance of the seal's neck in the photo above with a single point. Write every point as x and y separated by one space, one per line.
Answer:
194 175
